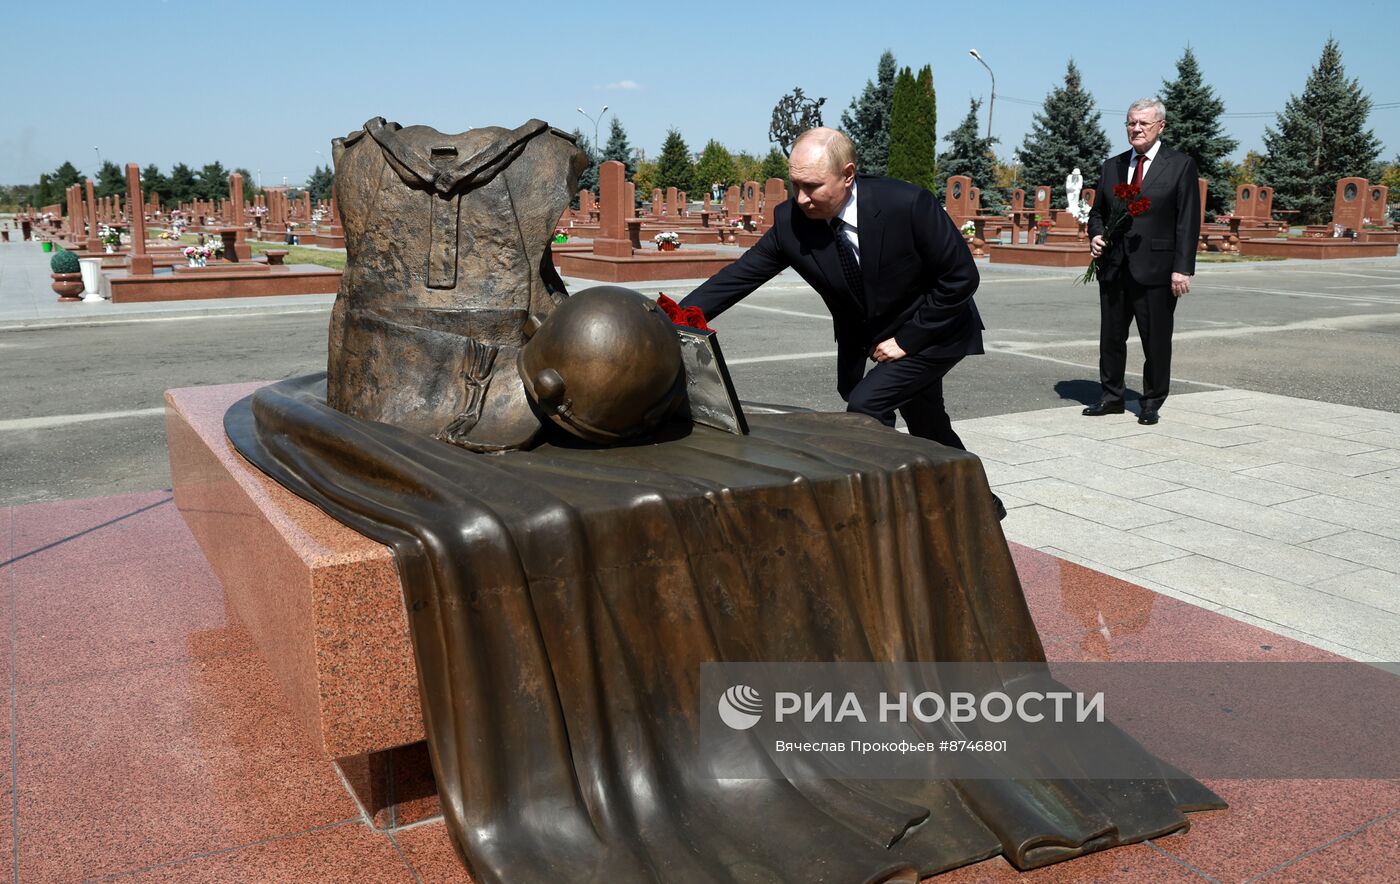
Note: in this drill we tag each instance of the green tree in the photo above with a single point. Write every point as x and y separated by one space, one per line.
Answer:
748 167
250 183
867 120
618 147
1065 135
1194 127
716 164
319 183
110 180
644 180
152 181
674 167
775 165
971 155
913 121
1321 136
1244 172
213 181
1390 177
589 179
794 114
183 185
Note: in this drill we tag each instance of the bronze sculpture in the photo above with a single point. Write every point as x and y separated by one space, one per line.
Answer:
562 598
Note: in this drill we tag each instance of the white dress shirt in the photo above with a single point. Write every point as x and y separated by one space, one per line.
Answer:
1147 158
847 215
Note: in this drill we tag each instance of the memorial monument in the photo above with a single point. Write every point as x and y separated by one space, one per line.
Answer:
572 549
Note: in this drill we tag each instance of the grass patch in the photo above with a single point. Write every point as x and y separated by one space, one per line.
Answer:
332 258
1224 258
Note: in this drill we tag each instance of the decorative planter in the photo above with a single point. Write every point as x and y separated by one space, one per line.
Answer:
109 249
68 285
668 246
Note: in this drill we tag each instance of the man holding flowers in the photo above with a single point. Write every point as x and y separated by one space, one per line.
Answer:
1144 225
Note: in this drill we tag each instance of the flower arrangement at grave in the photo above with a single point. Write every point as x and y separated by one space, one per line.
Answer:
197 255
561 235
171 235
968 230
110 238
689 317
1131 203
667 241
1081 214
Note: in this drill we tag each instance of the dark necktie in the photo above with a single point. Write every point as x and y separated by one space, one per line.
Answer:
1137 173
850 268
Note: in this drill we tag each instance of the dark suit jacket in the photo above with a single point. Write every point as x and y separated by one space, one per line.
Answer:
1162 241
918 274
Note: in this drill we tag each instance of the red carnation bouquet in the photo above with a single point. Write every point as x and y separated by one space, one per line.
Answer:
1130 204
690 317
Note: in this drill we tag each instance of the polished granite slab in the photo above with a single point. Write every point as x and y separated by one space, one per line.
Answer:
148 739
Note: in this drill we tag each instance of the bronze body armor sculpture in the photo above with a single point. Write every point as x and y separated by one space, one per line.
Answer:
447 272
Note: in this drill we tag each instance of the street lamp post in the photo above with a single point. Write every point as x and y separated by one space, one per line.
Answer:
99 157
991 102
595 120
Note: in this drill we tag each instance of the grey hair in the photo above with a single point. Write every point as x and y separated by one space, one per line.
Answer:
1153 104
840 152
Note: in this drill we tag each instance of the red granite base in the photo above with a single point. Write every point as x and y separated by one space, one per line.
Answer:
680 264
322 602
218 282
1319 248
1040 256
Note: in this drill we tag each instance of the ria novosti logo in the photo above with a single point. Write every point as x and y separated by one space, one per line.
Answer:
740 707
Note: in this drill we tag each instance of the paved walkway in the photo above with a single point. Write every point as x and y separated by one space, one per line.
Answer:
1279 512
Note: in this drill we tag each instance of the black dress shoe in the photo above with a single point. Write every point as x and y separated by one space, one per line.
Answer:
1148 416
1102 408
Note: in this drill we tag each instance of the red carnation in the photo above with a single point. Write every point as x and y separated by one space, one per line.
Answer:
669 307
1137 207
1127 192
693 317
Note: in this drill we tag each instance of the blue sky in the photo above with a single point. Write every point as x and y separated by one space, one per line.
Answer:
267 85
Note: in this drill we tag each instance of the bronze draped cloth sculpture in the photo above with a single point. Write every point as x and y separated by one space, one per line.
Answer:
562 599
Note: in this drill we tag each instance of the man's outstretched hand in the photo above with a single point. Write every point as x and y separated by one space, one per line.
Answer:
887 351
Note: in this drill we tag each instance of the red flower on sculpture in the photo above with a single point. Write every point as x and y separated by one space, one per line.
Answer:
1137 207
691 317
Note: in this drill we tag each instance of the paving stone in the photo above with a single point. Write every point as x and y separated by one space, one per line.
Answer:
1096 506
1348 513
1245 550
1007 452
1360 490
1165 447
1285 527
1236 485
1311 441
1039 527
1131 483
1362 547
1111 453
1379 589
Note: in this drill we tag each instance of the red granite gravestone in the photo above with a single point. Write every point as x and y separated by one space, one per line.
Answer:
656 208
93 243
1264 204
630 203
682 202
1377 196
731 201
1349 204
1202 184
1018 200
1042 200
774 193
242 251
612 240
751 198
671 211
1246 206
140 263
955 199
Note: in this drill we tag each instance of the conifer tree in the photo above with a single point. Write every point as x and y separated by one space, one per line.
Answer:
618 148
1194 128
971 155
111 181
588 179
775 165
152 181
213 181
716 164
867 120
1065 135
913 116
1321 136
674 167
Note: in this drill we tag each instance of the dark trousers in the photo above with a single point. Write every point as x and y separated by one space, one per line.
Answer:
913 386
1120 303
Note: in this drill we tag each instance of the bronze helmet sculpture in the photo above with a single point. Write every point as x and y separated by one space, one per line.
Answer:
605 366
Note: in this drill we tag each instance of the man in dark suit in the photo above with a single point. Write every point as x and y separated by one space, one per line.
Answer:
1147 267
893 270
